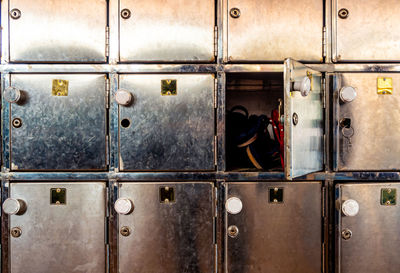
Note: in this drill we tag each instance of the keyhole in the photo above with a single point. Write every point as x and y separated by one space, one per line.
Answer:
235 13
343 13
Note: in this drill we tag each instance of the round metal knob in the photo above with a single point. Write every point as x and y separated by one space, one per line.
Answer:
123 206
350 207
347 94
12 94
303 86
13 206
123 97
233 205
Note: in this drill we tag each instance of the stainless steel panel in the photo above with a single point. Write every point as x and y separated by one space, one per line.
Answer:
58 31
168 237
168 132
304 142
374 244
167 31
374 119
369 33
275 237
59 238
59 132
274 30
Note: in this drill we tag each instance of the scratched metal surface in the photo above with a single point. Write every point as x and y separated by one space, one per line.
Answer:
59 132
174 237
59 238
168 132
47 31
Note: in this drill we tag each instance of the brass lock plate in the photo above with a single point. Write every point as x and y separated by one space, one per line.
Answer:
169 88
385 86
167 195
60 88
233 231
58 196
276 195
16 232
125 231
388 197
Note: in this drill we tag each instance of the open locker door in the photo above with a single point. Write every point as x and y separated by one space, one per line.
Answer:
304 127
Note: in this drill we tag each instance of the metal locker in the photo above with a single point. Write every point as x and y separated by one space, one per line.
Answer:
367 130
304 119
166 122
57 121
166 31
368 218
273 227
260 30
63 31
166 227
56 227
366 33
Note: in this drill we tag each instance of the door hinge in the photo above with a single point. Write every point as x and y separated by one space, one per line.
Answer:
215 92
107 41
215 202
107 93
324 42
323 83
323 202
216 41
215 150
107 151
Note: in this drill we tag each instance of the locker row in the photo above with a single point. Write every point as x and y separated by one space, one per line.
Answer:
196 122
193 31
152 227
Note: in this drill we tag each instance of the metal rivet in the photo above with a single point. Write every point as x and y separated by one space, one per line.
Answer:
343 13
125 13
346 234
16 232
17 123
295 119
233 231
15 14
125 231
235 13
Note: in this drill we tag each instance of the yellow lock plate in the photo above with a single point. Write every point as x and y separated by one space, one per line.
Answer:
60 88
385 86
168 87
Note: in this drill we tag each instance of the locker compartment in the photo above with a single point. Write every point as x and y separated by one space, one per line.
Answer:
63 31
56 227
368 218
366 127
273 227
166 31
166 122
271 31
166 227
57 121
366 34
291 138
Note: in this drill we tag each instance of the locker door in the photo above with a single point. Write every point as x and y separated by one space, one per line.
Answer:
367 130
367 231
167 31
167 123
272 30
367 32
57 31
56 227
166 227
304 122
57 121
273 227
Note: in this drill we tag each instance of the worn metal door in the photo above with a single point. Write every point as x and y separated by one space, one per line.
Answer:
166 227
57 31
273 227
366 33
59 228
304 120
168 123
367 127
273 30
59 122
167 30
368 228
